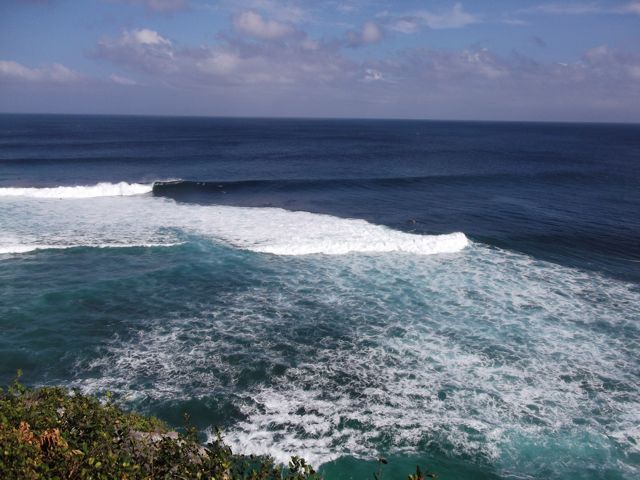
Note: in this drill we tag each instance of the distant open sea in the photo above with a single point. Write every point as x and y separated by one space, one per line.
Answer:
463 296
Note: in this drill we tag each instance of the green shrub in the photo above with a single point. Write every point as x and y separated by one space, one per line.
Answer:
51 433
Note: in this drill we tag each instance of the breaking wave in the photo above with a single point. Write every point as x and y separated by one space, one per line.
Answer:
144 220
103 189
179 188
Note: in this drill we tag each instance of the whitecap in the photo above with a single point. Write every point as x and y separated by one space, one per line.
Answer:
103 189
142 220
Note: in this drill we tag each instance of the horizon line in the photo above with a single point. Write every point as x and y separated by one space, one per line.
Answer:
284 117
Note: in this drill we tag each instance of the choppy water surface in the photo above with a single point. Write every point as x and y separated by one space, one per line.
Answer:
341 312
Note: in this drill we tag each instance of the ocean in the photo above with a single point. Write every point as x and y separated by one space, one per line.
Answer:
460 295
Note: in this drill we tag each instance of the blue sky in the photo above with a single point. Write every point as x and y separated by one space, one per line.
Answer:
489 60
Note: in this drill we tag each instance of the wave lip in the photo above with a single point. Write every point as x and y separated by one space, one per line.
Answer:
16 249
284 232
390 241
103 189
145 219
9 249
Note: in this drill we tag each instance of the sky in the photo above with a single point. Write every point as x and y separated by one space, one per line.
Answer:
536 60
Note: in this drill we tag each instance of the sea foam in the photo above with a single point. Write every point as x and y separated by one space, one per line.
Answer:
15 249
103 189
142 220
489 356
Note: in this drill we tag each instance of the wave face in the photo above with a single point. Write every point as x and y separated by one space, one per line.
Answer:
185 187
155 221
80 191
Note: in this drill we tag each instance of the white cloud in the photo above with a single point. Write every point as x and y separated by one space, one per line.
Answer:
122 80
301 67
220 63
567 8
309 44
55 72
161 6
141 48
145 37
252 23
634 71
372 75
516 22
484 64
585 8
233 61
467 66
456 17
604 63
632 7
597 53
11 69
405 25
60 73
345 8
371 33
285 11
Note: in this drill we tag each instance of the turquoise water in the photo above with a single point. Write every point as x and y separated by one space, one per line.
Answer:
490 358
334 338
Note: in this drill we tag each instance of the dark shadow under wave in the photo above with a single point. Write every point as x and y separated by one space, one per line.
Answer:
539 214
182 187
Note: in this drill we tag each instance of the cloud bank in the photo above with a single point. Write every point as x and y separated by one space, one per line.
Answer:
278 58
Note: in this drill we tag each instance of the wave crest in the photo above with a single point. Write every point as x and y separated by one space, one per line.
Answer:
144 220
104 189
282 232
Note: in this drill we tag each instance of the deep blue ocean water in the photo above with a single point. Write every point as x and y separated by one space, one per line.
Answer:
465 296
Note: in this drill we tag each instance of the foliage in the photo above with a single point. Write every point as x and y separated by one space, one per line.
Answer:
51 433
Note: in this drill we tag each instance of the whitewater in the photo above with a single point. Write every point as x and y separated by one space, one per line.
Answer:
462 296
104 189
430 340
62 221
